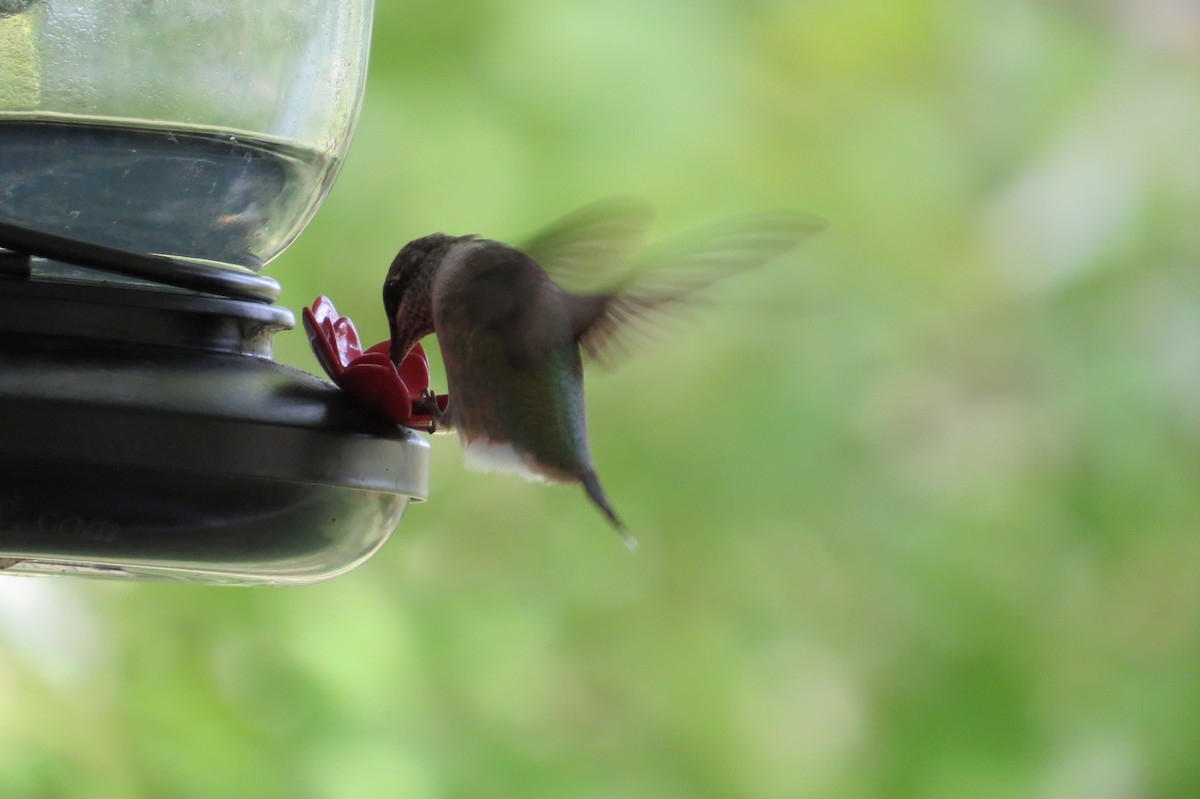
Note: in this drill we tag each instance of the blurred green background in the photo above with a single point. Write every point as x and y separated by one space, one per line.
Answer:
918 505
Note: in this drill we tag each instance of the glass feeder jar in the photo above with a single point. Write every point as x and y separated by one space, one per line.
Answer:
153 157
199 129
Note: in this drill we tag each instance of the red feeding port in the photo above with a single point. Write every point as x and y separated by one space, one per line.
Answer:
369 376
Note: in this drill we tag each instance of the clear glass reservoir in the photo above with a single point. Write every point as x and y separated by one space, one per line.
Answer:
207 130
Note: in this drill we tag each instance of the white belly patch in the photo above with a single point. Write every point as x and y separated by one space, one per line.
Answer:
483 455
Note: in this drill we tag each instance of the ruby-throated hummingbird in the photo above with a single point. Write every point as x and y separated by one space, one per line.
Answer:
511 330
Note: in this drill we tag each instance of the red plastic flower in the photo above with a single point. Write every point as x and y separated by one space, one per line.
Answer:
369 377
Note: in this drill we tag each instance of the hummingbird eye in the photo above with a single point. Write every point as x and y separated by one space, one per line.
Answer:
393 292
398 284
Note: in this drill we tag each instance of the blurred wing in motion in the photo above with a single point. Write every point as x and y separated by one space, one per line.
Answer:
669 275
586 249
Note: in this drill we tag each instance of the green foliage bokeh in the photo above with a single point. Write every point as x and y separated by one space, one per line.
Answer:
918 504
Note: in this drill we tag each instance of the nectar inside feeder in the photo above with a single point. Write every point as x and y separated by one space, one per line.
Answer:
145 430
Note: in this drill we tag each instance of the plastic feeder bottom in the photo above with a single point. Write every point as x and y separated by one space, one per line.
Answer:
146 434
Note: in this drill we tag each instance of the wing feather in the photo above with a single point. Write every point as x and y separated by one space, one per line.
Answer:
668 277
585 250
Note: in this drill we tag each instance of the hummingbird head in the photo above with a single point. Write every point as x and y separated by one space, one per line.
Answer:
407 290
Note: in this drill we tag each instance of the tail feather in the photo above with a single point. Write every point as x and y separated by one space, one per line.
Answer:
591 484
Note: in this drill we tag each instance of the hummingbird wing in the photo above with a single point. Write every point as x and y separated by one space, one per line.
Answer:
583 249
670 274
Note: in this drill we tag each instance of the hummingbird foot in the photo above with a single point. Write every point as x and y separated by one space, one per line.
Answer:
427 405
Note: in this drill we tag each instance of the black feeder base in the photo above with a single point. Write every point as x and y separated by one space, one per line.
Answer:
146 433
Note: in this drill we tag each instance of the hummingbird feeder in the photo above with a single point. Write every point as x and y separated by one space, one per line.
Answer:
153 158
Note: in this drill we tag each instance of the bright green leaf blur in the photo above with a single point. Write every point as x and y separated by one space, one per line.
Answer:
919 504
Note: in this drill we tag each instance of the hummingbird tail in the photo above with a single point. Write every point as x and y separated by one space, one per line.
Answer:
591 484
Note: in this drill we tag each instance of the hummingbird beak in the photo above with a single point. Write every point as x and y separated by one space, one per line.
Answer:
391 306
394 353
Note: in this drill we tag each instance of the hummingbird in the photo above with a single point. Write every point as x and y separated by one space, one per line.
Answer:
512 323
